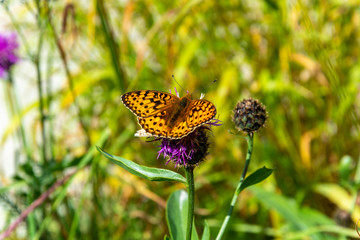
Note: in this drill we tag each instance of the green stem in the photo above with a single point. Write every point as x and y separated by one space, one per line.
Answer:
189 172
64 60
11 94
18 29
42 27
49 95
249 140
356 189
113 47
15 112
31 219
41 102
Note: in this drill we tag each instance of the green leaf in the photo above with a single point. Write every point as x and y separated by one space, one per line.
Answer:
259 175
176 215
287 208
206 233
301 219
152 174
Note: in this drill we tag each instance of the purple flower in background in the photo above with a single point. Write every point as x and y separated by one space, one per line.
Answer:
8 46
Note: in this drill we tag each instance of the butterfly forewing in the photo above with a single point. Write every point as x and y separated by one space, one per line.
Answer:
146 103
200 112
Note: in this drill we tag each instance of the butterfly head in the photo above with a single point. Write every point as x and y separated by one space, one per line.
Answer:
184 102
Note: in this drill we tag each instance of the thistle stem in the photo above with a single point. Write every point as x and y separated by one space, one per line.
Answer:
189 172
15 112
36 59
249 140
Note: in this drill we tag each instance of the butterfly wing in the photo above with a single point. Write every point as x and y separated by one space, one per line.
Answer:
155 125
146 103
180 130
200 111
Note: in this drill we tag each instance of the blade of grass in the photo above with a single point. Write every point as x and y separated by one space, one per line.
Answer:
114 49
31 220
75 222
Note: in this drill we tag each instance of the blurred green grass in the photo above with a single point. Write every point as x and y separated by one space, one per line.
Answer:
300 59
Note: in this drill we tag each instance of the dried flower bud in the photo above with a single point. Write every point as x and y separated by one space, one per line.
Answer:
249 115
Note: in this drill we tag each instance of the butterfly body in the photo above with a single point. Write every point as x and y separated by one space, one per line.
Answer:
165 115
178 111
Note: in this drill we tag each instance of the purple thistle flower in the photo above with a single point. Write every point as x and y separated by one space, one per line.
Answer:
8 45
189 150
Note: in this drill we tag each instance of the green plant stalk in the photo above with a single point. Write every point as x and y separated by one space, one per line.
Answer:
64 60
11 90
18 30
49 95
14 111
111 43
76 218
189 172
250 140
41 24
36 59
355 189
31 219
41 97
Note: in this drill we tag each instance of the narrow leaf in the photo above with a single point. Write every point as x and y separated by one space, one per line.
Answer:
287 208
259 175
152 174
301 219
206 233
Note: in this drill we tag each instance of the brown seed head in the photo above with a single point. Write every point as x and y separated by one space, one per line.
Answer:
249 115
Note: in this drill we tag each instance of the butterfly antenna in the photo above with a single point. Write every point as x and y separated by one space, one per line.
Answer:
204 88
178 83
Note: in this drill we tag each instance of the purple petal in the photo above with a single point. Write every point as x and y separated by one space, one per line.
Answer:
8 46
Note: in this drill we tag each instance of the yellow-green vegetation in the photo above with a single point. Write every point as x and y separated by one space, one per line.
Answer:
299 58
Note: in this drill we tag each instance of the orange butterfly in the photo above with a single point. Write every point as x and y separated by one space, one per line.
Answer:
162 114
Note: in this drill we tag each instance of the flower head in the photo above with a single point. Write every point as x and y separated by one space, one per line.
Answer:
8 45
189 150
249 115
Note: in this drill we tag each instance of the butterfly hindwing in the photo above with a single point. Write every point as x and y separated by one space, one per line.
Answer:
180 129
154 125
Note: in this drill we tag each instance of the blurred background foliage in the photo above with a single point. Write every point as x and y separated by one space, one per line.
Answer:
299 58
